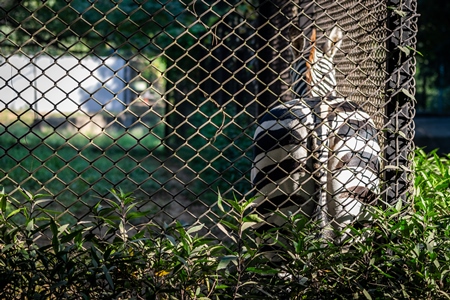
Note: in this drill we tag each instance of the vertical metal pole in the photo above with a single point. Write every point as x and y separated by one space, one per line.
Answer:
399 105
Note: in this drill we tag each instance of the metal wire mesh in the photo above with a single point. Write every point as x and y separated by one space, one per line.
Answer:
161 98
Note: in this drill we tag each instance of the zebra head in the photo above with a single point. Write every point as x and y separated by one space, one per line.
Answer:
316 75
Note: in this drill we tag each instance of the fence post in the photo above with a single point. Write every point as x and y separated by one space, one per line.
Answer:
400 110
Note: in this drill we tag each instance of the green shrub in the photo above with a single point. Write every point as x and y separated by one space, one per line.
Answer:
403 255
103 259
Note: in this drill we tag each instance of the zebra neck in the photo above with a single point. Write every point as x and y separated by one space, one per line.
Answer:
323 78
299 85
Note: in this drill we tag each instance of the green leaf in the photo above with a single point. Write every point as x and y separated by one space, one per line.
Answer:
222 287
55 240
181 231
225 261
30 225
230 225
171 239
122 229
397 11
107 253
219 201
249 203
122 197
195 229
224 230
102 211
95 258
236 206
408 94
68 237
14 212
263 271
41 201
131 206
39 196
405 50
42 227
62 228
399 205
139 235
26 194
254 217
3 199
366 293
414 50
108 277
247 225
182 260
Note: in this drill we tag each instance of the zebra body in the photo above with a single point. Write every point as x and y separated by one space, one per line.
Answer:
317 155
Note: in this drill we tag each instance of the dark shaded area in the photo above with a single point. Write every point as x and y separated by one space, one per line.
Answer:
433 77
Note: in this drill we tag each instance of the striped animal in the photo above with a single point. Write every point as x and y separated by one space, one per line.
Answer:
317 155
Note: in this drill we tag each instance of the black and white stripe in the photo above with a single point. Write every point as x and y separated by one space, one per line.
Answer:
300 87
323 78
317 155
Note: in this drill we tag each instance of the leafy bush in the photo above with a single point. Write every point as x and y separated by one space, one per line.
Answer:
403 255
103 259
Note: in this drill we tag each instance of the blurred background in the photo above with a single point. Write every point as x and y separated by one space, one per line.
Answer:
160 98
433 76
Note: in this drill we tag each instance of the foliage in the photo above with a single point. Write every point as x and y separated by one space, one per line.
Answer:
102 259
402 255
105 26
225 143
174 46
109 26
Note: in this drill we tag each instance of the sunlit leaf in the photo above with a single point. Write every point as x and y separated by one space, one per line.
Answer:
195 229
247 225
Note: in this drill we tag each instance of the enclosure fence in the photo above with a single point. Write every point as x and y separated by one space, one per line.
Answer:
161 98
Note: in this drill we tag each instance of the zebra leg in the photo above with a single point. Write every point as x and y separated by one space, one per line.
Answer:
321 148
355 182
351 208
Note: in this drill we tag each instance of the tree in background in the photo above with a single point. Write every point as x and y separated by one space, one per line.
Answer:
433 78
202 50
209 55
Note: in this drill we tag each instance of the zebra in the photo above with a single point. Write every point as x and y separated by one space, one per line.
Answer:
318 71
317 155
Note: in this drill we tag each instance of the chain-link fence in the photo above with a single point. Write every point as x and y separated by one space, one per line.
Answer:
161 98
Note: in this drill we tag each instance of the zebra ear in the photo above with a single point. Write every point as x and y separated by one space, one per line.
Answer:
297 40
334 42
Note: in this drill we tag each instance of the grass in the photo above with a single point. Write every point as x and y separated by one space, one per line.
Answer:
72 165
78 167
